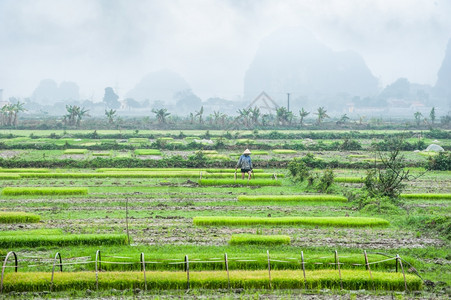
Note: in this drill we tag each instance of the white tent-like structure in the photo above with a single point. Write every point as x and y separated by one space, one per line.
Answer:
434 148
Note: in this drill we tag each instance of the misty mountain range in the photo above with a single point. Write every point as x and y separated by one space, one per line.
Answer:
290 60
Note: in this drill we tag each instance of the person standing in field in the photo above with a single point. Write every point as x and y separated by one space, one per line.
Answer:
245 164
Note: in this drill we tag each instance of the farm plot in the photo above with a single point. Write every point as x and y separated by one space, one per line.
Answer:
156 208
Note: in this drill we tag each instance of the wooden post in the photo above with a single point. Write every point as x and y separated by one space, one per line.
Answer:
396 263
98 267
226 261
53 269
143 268
303 269
367 264
339 271
269 268
402 268
187 271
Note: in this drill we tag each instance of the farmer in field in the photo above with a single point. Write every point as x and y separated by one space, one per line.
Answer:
245 164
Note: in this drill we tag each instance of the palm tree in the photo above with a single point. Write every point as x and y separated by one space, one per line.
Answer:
418 116
255 114
81 112
322 114
344 118
244 116
161 114
110 114
284 116
303 113
199 114
17 108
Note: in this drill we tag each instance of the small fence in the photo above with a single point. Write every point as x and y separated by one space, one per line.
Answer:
57 262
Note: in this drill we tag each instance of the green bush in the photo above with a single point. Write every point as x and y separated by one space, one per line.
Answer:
440 162
298 169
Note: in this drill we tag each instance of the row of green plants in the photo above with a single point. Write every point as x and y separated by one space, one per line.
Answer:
312 221
35 191
26 240
306 197
7 217
162 280
239 182
257 239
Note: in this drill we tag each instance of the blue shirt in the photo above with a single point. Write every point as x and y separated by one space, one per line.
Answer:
244 162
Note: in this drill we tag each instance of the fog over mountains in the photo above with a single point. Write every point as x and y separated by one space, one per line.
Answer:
182 54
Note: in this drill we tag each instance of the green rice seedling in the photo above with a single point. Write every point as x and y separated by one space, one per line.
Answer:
254 152
430 196
164 138
372 160
165 280
357 156
9 176
144 169
101 154
256 239
244 142
19 191
75 151
218 157
319 198
62 240
428 153
24 170
349 179
230 175
138 140
147 152
258 182
129 174
208 151
315 221
43 231
231 170
284 151
18 217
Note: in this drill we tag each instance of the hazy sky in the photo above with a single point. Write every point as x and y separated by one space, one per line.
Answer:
99 43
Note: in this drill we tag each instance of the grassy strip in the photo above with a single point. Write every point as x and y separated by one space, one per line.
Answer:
254 152
349 179
161 174
145 169
101 154
17 191
24 170
75 151
9 176
18 217
147 152
357 155
318 221
259 182
230 170
43 231
256 239
62 240
427 196
217 157
138 140
292 198
230 175
284 151
287 279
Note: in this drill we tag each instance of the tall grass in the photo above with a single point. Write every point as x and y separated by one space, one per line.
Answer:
163 280
427 196
257 182
18 191
318 221
284 151
24 170
256 239
9 176
62 240
7 217
319 198
75 151
147 152
349 179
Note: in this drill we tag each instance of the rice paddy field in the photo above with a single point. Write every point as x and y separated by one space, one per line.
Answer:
156 215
